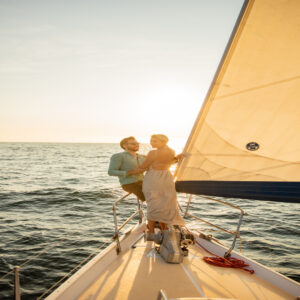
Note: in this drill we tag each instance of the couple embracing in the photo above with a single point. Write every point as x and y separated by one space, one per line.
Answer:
157 186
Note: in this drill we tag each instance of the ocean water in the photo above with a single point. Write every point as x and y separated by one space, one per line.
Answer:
58 197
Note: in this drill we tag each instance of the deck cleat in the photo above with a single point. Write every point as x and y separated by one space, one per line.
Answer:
187 238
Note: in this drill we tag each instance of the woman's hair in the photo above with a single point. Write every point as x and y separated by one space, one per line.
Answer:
125 141
160 137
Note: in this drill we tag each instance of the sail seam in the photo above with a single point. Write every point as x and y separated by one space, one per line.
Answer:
239 149
242 155
258 87
243 173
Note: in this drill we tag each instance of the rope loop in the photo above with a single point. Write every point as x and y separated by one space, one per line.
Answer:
230 262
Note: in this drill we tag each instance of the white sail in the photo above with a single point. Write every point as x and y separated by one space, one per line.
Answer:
247 135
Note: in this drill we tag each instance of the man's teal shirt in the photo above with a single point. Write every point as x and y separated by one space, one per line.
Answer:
122 162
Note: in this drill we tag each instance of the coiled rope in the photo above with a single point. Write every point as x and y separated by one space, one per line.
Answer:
229 262
219 261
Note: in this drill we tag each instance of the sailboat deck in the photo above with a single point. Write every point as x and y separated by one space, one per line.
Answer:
139 273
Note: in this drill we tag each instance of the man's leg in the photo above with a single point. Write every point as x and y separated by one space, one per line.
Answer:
135 188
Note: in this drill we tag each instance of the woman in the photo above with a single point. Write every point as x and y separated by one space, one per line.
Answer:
158 185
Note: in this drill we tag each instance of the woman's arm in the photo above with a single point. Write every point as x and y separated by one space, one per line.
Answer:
148 161
177 158
144 166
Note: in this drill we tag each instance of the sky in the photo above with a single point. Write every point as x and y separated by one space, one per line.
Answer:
98 71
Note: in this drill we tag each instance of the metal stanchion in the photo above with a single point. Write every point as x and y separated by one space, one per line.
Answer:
17 283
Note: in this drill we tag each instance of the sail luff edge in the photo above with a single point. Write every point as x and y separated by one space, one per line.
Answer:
234 37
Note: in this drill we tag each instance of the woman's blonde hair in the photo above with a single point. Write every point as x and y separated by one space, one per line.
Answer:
161 137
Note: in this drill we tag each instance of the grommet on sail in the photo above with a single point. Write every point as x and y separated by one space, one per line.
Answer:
246 140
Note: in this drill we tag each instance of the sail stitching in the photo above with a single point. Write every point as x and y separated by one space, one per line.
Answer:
235 147
258 87
241 155
241 173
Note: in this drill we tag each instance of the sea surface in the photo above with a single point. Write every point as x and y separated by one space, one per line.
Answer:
56 209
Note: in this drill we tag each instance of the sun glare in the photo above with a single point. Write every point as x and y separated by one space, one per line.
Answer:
171 110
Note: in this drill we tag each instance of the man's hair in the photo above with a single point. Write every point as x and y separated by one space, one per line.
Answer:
161 137
125 141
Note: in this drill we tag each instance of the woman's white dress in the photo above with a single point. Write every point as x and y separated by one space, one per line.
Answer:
161 197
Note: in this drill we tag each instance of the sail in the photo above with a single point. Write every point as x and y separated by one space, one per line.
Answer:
246 140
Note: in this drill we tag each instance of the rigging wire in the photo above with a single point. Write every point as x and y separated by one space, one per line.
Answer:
47 250
37 255
75 268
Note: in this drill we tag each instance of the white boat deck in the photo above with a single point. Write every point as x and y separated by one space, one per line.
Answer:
139 273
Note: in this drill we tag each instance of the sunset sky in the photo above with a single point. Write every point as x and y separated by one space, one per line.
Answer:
96 71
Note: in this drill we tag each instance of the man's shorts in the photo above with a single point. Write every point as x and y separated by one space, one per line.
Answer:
135 188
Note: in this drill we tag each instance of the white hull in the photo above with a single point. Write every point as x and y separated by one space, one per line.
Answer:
138 272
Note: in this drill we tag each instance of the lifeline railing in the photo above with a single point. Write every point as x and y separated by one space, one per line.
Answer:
117 229
17 289
235 233
16 270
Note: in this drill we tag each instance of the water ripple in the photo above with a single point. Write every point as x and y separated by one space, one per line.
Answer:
60 195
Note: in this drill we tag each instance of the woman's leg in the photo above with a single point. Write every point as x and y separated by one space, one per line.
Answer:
163 226
151 225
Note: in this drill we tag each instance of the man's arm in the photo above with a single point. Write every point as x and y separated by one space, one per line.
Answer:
144 166
148 161
115 165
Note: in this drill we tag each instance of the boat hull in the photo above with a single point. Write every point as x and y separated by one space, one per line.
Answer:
139 272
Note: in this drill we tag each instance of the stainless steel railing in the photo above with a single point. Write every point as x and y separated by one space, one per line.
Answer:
16 270
235 233
118 229
17 293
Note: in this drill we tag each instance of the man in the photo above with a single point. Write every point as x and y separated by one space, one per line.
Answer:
121 164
